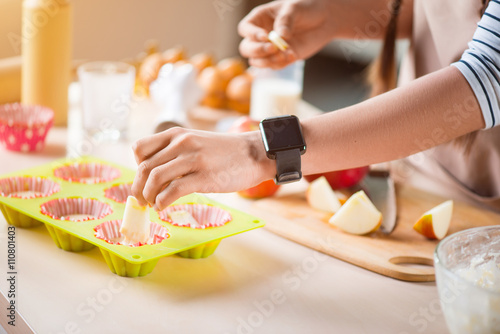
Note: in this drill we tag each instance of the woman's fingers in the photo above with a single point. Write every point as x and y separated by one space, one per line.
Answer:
276 61
163 175
249 30
283 24
140 179
257 23
177 188
148 146
148 161
143 173
251 49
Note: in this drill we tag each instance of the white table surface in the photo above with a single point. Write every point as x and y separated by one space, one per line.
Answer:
255 282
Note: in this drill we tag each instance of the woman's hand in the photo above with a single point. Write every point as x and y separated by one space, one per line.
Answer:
178 162
306 25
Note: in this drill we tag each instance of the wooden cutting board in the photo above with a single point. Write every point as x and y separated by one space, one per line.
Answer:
393 255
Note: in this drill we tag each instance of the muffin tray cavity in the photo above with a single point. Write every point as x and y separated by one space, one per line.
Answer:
82 201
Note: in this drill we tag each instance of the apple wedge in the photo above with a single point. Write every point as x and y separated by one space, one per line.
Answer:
321 196
358 215
434 223
135 224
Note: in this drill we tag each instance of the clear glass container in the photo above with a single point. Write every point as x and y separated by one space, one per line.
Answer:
276 92
107 89
467 266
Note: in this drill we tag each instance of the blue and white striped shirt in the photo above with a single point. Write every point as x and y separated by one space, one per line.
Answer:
480 64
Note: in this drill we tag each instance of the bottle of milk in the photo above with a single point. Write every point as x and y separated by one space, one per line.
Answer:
276 92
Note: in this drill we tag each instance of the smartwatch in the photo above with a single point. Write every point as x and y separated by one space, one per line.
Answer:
284 142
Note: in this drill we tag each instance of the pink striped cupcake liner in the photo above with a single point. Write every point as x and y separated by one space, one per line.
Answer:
205 215
24 127
88 173
119 193
27 187
110 232
76 209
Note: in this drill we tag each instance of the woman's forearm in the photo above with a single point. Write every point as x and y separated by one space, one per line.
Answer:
427 112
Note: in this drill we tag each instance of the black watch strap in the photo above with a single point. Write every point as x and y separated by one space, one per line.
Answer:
288 168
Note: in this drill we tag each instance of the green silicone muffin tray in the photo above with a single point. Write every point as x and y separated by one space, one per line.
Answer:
122 260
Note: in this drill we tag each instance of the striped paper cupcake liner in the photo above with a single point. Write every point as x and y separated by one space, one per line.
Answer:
205 215
76 209
88 173
119 193
110 232
27 187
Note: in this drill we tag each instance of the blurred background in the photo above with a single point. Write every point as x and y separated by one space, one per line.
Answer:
119 29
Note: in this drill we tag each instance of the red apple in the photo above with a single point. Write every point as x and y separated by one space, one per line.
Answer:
266 188
244 124
342 178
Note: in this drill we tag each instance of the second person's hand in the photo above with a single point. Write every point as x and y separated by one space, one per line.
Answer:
178 162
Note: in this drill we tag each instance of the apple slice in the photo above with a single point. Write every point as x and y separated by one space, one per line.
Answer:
358 215
434 223
321 196
341 196
135 224
184 218
277 40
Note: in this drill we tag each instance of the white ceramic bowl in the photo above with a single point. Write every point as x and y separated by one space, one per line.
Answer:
467 265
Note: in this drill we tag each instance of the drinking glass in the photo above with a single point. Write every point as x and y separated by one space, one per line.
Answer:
107 89
276 92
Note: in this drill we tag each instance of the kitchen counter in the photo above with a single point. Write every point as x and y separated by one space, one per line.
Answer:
255 282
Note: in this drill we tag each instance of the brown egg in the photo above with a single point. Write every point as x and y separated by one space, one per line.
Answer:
211 80
217 101
201 61
173 54
240 87
238 93
231 67
149 68
213 85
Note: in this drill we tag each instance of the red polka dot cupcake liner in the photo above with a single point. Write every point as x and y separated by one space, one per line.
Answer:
27 187
76 209
110 232
119 193
88 173
24 127
205 215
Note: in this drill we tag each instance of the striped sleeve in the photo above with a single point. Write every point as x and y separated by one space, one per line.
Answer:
480 64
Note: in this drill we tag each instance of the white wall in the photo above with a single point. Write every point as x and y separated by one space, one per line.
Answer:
116 29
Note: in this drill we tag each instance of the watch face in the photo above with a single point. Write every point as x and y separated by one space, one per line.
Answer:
282 133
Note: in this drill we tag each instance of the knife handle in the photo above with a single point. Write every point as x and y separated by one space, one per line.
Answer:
379 173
